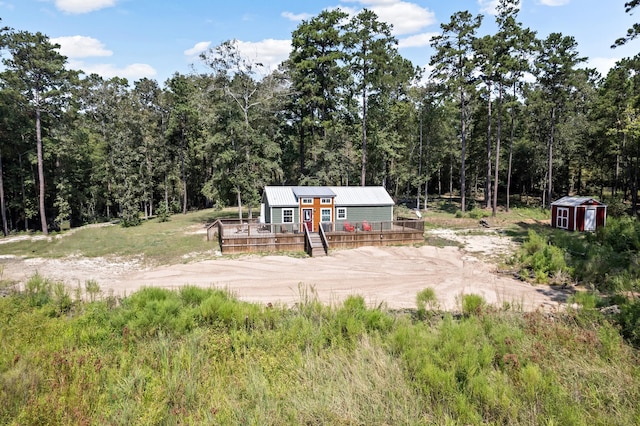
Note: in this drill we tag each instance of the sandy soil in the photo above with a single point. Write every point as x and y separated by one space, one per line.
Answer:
382 275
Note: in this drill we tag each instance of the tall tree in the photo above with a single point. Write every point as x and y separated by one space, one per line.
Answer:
317 75
183 126
253 155
555 66
513 47
455 69
371 49
36 69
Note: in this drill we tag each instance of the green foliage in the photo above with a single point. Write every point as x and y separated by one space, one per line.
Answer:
426 300
238 363
38 290
162 213
472 304
541 258
629 320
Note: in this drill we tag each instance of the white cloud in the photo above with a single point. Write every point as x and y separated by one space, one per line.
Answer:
488 6
197 48
554 2
417 40
81 47
83 6
406 18
131 72
296 17
603 65
269 52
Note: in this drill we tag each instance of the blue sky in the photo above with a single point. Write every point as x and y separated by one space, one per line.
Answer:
156 38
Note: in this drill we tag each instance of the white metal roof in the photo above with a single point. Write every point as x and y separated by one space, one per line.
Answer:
574 201
285 196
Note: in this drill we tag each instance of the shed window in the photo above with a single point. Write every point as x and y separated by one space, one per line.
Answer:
325 215
325 200
562 218
287 215
307 201
341 213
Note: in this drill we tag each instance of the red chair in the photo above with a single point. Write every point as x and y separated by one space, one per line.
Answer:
349 227
366 226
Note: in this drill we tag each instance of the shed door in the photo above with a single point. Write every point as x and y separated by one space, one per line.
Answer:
590 220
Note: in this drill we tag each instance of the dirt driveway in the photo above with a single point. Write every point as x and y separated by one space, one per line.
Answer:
382 275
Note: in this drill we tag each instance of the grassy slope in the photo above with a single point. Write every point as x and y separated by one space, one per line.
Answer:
200 357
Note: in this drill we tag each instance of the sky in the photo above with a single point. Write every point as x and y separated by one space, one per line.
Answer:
158 38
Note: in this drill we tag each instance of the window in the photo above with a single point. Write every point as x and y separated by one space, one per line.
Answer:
287 215
341 213
562 218
325 200
325 215
307 201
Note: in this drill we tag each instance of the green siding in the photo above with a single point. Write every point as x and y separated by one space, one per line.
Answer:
357 214
277 214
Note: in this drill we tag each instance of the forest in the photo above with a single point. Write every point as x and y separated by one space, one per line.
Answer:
494 118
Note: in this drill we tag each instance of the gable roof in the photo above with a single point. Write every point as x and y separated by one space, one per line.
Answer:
287 196
576 201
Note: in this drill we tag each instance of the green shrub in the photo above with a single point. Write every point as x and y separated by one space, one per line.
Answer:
38 290
426 300
629 320
472 304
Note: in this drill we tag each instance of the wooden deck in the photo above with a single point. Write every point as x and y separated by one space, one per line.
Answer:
248 236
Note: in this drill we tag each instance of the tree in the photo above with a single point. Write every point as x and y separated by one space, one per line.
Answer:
371 50
317 73
183 126
251 157
454 69
632 32
555 66
37 71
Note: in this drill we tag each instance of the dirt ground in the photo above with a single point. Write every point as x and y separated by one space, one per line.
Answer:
382 275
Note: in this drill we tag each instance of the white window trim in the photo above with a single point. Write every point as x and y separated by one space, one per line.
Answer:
283 215
324 211
560 219
307 201
341 216
325 201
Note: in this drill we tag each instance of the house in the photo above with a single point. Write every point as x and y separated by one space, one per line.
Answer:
336 208
578 214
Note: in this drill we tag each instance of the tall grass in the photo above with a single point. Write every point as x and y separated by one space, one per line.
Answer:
199 356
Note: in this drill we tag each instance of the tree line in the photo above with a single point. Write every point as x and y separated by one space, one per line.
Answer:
494 115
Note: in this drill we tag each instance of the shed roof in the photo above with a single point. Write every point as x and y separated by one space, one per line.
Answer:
287 196
575 201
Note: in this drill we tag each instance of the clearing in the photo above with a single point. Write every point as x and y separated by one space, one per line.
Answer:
382 275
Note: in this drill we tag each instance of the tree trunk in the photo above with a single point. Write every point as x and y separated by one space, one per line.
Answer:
550 158
5 229
511 136
419 166
487 185
43 215
494 210
463 131
364 137
183 174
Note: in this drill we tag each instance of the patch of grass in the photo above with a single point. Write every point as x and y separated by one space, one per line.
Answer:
155 241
